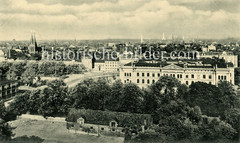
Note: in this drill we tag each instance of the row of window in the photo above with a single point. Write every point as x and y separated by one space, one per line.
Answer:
147 81
222 77
172 75
148 74
127 74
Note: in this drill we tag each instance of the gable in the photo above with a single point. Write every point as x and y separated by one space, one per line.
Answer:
172 66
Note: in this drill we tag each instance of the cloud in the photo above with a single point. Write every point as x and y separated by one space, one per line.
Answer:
115 18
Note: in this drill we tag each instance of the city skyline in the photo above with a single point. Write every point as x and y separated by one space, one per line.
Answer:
119 19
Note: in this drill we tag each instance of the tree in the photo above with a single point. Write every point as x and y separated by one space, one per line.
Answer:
98 92
54 99
20 104
5 66
132 100
207 97
79 94
34 101
30 73
229 97
16 70
113 102
5 129
232 116
162 91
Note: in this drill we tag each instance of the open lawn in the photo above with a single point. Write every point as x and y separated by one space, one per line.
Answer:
56 132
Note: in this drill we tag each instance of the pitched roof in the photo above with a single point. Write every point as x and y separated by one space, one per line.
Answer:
104 117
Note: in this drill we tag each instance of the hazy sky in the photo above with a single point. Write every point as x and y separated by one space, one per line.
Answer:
100 19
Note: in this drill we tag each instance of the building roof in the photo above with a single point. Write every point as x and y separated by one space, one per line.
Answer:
104 117
99 61
164 64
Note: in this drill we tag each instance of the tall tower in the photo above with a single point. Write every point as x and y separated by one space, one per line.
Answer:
141 39
183 39
163 37
35 41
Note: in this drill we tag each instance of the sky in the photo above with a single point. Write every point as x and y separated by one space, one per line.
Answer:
118 19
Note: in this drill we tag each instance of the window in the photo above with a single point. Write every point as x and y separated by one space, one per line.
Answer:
148 81
113 124
192 75
142 80
137 74
130 74
137 80
186 76
125 81
219 77
210 82
158 74
147 74
102 129
210 77
173 75
204 76
177 75
192 82
142 74
225 77
180 75
125 74
153 81
153 75
91 127
186 82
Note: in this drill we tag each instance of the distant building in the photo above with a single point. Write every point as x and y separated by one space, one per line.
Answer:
2 56
33 47
8 88
227 56
107 65
144 74
212 48
111 44
87 62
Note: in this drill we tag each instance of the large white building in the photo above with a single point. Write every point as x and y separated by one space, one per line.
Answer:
144 74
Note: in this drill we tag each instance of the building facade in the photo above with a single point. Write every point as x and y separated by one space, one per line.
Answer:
145 74
8 88
107 65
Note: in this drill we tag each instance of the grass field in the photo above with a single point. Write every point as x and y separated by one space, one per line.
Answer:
55 132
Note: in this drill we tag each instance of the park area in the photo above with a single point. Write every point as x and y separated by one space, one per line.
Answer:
56 132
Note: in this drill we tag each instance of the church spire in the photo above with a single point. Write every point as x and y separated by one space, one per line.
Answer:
32 39
35 41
